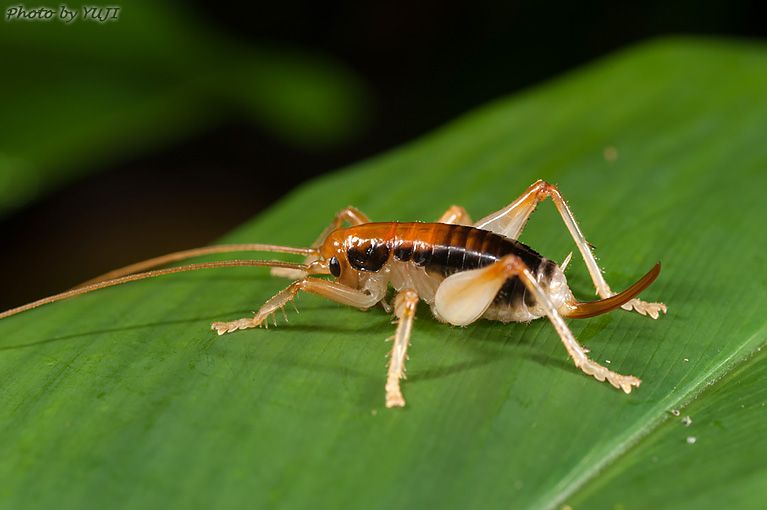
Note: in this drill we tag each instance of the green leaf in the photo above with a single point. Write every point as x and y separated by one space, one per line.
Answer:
124 397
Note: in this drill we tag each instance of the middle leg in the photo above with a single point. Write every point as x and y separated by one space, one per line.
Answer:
455 215
404 308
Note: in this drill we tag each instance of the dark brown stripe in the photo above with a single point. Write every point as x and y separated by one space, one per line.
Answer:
462 248
369 255
447 249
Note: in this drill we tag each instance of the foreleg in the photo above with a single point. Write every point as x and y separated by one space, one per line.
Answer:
352 215
326 288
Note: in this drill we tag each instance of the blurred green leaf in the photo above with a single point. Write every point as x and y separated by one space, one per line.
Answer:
85 93
124 396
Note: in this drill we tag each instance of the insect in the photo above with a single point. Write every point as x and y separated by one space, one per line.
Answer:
463 270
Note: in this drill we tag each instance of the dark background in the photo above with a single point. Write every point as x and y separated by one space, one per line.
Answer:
424 62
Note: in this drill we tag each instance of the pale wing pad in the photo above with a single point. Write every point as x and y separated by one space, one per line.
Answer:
463 297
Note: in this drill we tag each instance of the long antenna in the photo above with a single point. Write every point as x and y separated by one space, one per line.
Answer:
195 252
150 274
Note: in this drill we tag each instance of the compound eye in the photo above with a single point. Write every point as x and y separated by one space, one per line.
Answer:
334 266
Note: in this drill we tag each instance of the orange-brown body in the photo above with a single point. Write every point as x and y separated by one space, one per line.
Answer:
462 269
421 256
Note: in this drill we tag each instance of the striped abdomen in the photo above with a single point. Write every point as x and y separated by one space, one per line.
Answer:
442 250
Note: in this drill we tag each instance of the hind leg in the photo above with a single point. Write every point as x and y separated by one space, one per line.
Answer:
463 297
510 221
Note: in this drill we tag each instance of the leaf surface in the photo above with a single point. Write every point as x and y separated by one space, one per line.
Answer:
125 397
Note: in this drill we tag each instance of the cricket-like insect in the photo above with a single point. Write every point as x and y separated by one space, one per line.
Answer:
464 271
